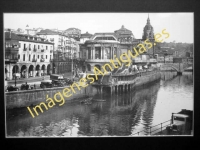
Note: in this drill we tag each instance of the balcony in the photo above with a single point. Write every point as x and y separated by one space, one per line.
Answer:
42 60
34 60
12 49
42 50
14 60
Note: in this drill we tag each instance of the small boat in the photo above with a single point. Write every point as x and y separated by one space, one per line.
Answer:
99 100
88 103
88 100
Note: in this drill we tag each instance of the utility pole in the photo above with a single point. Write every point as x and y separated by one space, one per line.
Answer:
15 76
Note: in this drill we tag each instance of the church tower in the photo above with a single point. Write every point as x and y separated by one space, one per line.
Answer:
148 31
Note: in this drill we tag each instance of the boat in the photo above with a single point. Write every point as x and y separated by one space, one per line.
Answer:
86 101
99 100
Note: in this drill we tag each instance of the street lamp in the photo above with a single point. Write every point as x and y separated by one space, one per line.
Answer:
165 54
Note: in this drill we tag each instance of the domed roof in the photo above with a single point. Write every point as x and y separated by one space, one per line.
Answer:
148 26
123 30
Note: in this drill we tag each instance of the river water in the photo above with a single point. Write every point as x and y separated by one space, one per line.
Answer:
121 115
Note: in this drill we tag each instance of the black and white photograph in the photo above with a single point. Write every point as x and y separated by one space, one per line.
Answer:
102 74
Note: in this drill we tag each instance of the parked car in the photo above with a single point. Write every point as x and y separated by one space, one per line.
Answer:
68 81
12 88
26 87
56 77
58 83
46 84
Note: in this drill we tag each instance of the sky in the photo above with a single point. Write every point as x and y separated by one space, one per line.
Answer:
180 26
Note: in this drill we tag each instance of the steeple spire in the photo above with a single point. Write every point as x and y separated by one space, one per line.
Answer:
148 20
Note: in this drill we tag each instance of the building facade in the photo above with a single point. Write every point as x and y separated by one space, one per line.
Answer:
66 50
27 55
101 47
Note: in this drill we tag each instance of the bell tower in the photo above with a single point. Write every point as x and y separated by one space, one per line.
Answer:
148 30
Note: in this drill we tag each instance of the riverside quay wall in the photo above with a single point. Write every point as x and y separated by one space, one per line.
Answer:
28 98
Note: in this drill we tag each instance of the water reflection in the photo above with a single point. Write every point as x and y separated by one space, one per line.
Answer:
121 114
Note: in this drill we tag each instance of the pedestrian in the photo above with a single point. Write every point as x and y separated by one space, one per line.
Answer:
26 85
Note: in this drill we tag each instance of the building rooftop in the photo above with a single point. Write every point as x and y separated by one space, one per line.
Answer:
21 37
84 35
48 32
123 29
72 29
104 34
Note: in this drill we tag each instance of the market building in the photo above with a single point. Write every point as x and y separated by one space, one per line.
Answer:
99 48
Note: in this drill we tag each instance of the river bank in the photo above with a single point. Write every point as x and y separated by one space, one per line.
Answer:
18 99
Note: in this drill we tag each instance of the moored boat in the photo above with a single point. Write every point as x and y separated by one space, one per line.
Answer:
99 100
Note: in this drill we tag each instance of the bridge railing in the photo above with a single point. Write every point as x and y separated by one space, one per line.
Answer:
154 129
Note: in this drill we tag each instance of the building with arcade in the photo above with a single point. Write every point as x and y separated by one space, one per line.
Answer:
27 55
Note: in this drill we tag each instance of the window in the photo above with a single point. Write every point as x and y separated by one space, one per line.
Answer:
46 56
107 53
97 52
19 45
24 57
115 51
89 53
179 119
38 56
18 56
46 47
38 46
24 46
29 57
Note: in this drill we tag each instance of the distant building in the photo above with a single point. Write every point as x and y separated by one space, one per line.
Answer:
124 35
66 48
73 32
84 37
